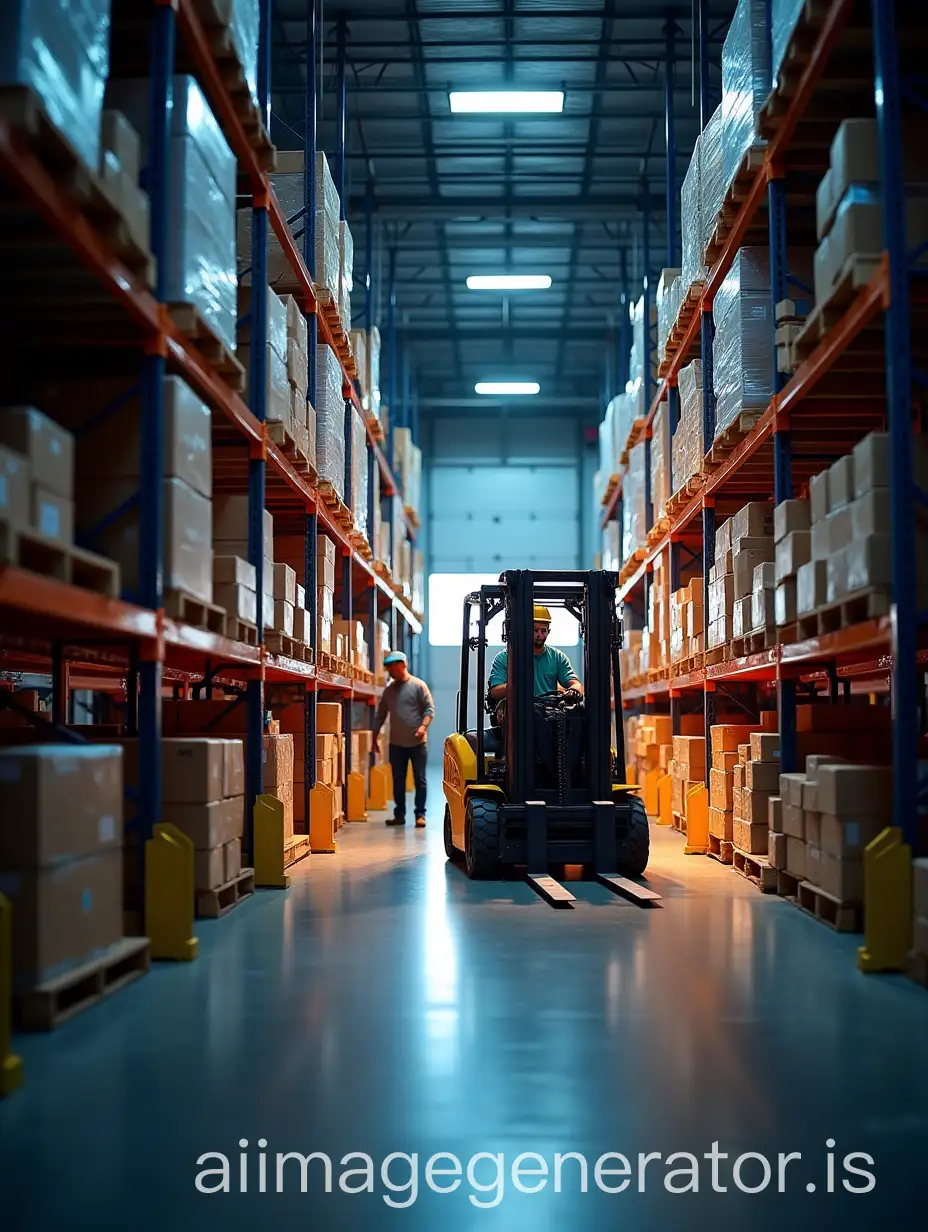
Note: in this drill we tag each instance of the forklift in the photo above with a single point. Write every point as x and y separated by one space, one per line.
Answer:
541 786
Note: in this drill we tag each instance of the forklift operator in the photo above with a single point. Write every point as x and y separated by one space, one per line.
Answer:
552 666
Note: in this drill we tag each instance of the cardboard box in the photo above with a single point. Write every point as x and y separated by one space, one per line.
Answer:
230 522
237 601
208 825
726 737
871 467
690 751
720 788
819 500
843 879
869 563
849 836
744 564
840 482
724 760
721 824
813 864
871 514
791 788
234 571
763 776
742 617
837 576
58 802
791 515
811 587
329 718
763 608
784 602
14 488
737 775
920 886
851 791
192 771
796 857
791 552
821 541
754 806
744 756
754 519
776 849
209 868
47 448
284 584
765 746
233 768
840 523
283 618
232 859
277 758
51 515
64 915
815 760
812 822
302 625
810 795
794 821
749 837
775 814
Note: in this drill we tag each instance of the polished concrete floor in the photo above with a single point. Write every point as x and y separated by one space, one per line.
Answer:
386 1004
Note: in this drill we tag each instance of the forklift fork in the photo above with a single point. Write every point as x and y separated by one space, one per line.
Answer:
536 857
604 851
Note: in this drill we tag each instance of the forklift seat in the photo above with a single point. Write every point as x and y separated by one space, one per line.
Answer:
492 741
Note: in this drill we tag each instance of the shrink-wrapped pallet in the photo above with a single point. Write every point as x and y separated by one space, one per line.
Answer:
743 347
371 402
345 274
611 546
692 269
745 81
328 245
712 178
784 15
244 28
330 419
608 459
359 467
634 508
623 407
688 445
660 461
666 308
638 387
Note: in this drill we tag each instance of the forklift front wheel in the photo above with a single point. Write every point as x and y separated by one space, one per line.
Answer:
450 850
633 845
481 840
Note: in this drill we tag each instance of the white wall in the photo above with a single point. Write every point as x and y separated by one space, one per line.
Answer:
502 494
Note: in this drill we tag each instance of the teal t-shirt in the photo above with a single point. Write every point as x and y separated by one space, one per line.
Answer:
552 668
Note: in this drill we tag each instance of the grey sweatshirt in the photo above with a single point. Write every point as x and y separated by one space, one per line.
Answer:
407 702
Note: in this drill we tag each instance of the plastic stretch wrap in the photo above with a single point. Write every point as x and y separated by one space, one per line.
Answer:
327 227
688 445
359 457
608 462
622 416
784 15
60 49
690 220
742 352
330 419
611 546
244 26
660 478
599 490
666 309
373 372
345 274
745 81
634 513
201 264
638 391
713 184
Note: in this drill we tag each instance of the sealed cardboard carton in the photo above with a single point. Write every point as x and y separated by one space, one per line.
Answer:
720 787
812 823
765 746
790 515
796 857
278 760
721 824
749 837
232 858
234 571
813 864
236 601
193 770
776 849
762 776
207 825
209 868
233 768
794 821
775 814
284 584
843 879
849 836
855 790
329 719
47 448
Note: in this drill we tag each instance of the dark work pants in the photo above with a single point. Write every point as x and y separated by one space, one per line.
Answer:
399 761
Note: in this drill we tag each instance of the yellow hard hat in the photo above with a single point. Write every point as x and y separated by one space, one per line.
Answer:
542 615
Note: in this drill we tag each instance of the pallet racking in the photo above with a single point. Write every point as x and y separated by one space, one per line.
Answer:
88 640
847 386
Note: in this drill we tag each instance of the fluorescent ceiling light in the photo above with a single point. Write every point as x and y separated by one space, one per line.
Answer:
470 101
509 282
506 387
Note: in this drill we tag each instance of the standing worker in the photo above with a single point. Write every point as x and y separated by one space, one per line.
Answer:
409 704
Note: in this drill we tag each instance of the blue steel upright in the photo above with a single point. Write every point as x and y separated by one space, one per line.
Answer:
889 94
670 30
646 335
311 538
151 462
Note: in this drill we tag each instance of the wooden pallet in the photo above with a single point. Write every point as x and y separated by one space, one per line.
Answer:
857 271
26 116
796 57
611 486
753 643
731 436
786 634
281 644
842 917
189 320
689 306
720 849
787 884
738 190
215 17
718 654
296 848
280 436
658 530
51 1004
327 307
632 563
685 493
634 436
329 663
756 868
64 562
339 510
178 605
362 675
241 631
211 904
678 821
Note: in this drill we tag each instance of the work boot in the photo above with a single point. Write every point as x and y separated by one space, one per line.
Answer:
396 821
420 823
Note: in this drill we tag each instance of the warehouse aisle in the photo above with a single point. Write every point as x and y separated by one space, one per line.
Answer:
387 1004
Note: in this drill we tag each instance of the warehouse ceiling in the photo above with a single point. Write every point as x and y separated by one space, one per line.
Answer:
455 195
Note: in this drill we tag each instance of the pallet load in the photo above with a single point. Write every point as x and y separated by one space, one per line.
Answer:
326 798
693 271
327 228
660 464
230 538
345 274
745 83
234 582
634 505
280 773
755 780
712 185
721 592
687 621
630 658
742 354
201 260
726 786
359 459
354 639
752 547
799 580
637 389
689 448
784 15
277 398
330 421
687 769
668 305
407 465
61 865
36 480
325 593
302 412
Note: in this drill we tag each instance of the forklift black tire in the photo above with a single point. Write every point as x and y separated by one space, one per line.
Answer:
481 840
450 850
634 848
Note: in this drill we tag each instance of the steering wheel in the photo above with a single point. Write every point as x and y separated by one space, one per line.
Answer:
558 700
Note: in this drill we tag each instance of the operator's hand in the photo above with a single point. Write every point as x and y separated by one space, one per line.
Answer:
420 731
573 695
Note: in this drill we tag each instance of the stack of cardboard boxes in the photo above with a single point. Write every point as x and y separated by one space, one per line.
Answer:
277 398
325 594
686 621
793 554
755 780
230 524
345 274
302 413
36 475
203 789
630 657
688 448
61 862
234 582
686 769
725 738
280 774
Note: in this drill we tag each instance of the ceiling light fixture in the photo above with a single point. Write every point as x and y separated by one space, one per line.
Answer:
509 282
506 388
475 101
